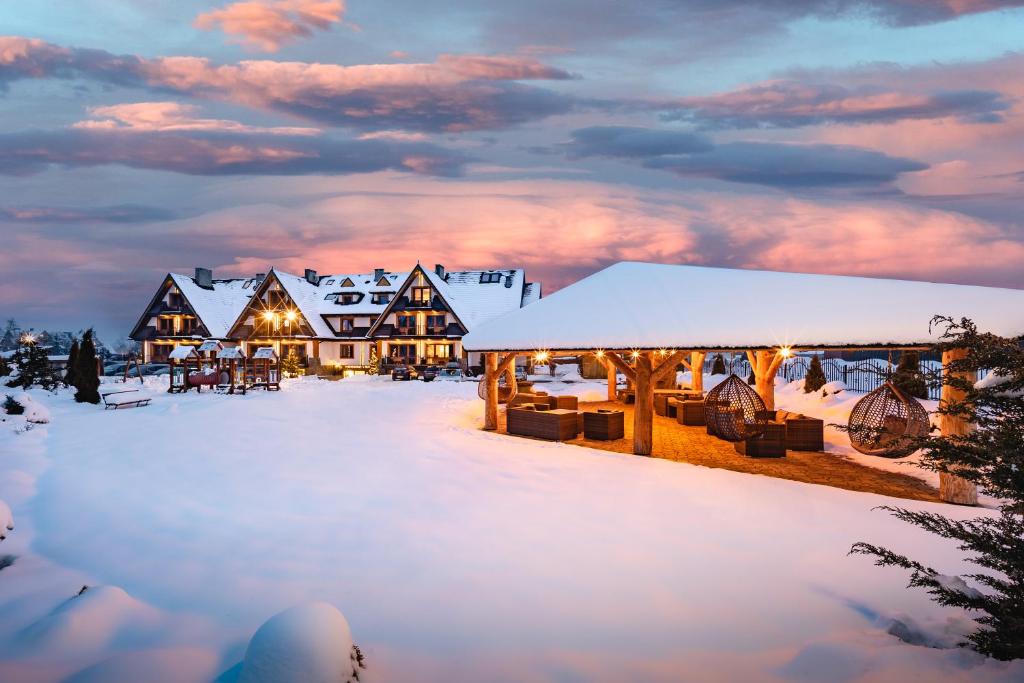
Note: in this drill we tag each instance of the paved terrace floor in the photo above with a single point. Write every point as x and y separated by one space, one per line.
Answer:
673 441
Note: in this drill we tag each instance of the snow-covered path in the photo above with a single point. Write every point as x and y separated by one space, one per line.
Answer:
454 554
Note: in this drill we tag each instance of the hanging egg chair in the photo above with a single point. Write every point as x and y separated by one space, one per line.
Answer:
734 411
884 422
507 387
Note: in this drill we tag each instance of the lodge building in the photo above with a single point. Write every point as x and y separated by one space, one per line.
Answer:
335 324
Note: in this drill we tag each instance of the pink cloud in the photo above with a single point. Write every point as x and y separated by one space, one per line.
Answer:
173 116
454 93
268 24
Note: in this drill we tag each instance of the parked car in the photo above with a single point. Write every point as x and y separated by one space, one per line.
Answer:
520 373
111 369
428 374
402 372
451 372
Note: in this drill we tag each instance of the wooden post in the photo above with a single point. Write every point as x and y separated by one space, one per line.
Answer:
491 391
612 389
697 370
765 364
643 409
954 489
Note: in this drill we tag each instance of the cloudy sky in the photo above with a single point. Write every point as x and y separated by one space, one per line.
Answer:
137 137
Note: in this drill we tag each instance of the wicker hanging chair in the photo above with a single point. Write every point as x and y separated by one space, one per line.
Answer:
884 422
507 387
733 411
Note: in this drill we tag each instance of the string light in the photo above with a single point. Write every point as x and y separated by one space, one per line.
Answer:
599 354
635 355
541 356
785 352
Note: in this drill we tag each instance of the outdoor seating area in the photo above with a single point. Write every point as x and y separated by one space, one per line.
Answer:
691 444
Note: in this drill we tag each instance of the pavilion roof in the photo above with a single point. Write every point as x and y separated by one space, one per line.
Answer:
633 305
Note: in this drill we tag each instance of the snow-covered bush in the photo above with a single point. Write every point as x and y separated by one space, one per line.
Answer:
6 520
831 388
33 411
308 643
12 407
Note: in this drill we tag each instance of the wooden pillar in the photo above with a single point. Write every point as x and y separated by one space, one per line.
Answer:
697 370
491 391
643 409
954 489
612 379
765 364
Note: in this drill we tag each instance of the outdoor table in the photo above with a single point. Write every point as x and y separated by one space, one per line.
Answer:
604 425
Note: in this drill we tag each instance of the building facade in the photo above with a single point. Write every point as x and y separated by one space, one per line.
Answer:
334 324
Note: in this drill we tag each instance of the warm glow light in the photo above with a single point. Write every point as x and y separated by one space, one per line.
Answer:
635 355
662 352
599 354
785 352
290 316
541 356
28 338
268 315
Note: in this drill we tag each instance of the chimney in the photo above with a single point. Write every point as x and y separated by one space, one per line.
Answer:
204 278
378 273
439 269
311 276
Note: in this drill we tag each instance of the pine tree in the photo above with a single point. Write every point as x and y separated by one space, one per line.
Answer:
5 367
908 376
72 368
815 378
718 367
33 366
87 380
290 364
992 457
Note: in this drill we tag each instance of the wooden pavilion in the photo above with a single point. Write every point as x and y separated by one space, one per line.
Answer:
645 320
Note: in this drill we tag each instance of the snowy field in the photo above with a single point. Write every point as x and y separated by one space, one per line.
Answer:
455 554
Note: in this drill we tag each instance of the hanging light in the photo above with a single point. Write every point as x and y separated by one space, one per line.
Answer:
290 316
599 354
635 355
785 351
268 315
541 356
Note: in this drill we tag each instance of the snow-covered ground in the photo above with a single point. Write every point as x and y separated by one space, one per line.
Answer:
454 554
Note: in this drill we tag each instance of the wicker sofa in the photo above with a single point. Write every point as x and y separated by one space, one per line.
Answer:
803 433
554 425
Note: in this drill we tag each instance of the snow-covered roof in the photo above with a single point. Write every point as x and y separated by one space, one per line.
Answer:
475 301
265 352
229 352
646 305
219 306
209 345
182 351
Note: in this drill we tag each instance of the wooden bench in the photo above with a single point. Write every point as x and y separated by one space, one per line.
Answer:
126 398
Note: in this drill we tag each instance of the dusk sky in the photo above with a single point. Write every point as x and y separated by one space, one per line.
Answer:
880 137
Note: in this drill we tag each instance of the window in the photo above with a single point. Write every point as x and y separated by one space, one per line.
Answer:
421 296
346 324
188 325
486 278
174 300
163 325
406 324
330 282
346 299
347 351
332 295
381 297
347 282
435 323
246 284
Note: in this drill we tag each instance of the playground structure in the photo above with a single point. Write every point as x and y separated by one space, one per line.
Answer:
264 370
231 363
189 370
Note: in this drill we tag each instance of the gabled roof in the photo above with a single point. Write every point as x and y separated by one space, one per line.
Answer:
216 308
648 306
265 352
183 351
229 352
439 286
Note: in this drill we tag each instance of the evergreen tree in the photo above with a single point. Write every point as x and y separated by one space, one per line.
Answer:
374 361
33 366
908 376
87 379
290 364
11 337
718 367
992 457
72 368
5 367
815 379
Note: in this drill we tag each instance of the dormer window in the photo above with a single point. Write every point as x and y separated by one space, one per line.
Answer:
487 278
347 298
330 296
381 297
330 282
421 296
346 324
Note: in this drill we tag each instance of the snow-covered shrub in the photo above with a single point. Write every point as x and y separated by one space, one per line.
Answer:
33 411
831 388
311 643
12 407
6 520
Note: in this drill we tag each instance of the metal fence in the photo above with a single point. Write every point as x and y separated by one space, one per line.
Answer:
860 376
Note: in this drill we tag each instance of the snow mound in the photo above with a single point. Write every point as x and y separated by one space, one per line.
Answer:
169 665
34 411
830 388
6 520
308 643
99 618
